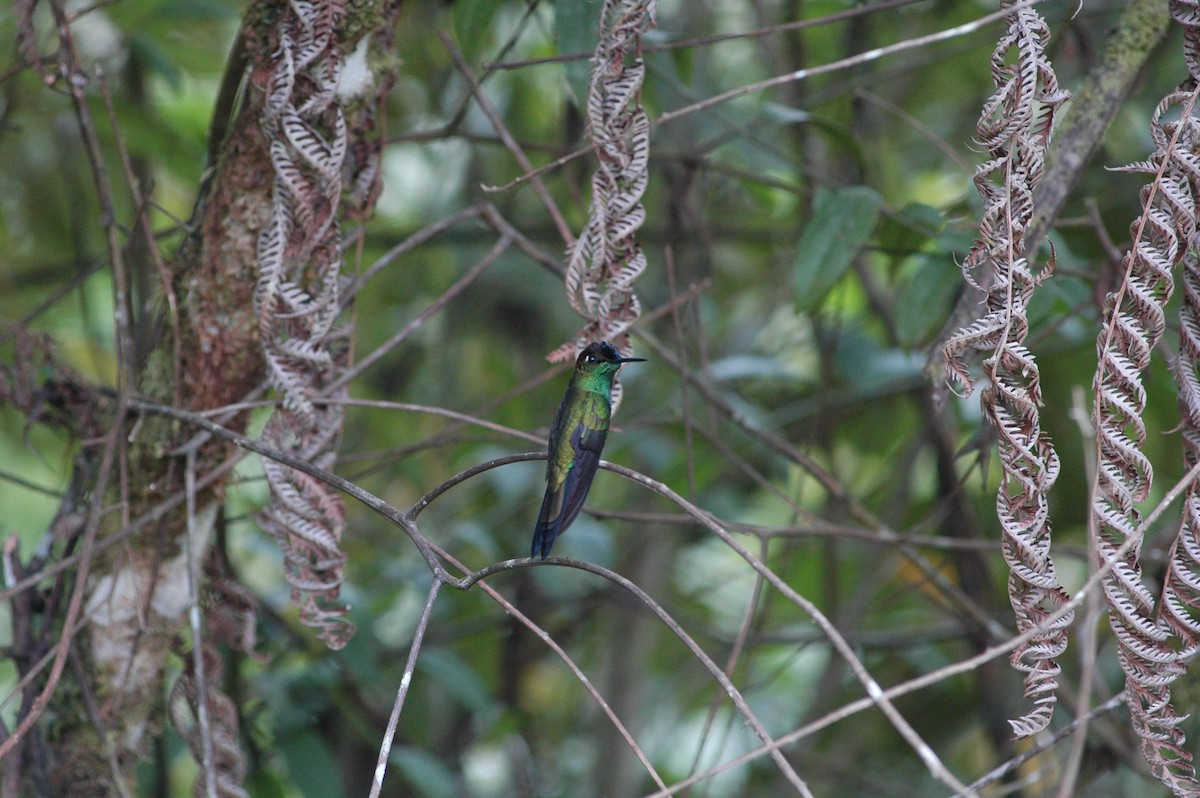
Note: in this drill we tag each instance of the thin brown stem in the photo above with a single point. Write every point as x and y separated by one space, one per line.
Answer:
518 154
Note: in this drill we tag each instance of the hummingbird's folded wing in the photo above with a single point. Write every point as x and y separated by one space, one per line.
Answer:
562 503
588 443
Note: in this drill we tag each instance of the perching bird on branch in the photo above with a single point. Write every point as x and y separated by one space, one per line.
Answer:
576 440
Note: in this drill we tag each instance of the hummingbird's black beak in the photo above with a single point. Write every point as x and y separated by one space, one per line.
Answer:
631 360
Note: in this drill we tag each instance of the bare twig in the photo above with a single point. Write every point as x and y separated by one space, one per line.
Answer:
1088 637
846 63
875 697
962 666
498 122
410 667
553 645
143 217
1041 746
209 765
397 338
712 667
735 652
828 481
389 512
701 41
874 691
113 445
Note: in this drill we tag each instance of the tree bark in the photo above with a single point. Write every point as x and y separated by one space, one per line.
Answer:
139 592
198 349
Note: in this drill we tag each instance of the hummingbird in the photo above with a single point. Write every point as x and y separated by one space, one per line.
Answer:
576 440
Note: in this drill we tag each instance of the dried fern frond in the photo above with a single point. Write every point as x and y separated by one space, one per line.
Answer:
1134 323
1157 646
1163 742
296 298
228 763
606 259
1014 127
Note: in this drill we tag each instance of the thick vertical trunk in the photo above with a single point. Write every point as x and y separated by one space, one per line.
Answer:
196 334
139 592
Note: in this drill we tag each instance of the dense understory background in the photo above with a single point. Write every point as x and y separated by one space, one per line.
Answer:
803 247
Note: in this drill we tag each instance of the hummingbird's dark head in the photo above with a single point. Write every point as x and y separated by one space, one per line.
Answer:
602 357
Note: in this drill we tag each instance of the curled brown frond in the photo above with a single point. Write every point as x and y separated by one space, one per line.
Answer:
1134 322
606 259
1157 645
1179 603
296 299
228 763
1014 127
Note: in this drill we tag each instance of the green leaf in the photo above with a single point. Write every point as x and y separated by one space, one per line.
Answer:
911 229
311 766
576 29
924 301
473 24
456 677
424 772
842 221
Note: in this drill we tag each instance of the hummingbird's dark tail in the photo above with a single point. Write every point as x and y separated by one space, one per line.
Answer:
549 521
543 539
561 506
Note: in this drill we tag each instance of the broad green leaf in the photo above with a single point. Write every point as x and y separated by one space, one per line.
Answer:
425 773
456 677
910 230
312 767
576 29
262 783
924 301
473 24
842 221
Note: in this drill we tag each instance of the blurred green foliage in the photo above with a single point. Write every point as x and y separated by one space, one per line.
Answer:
825 229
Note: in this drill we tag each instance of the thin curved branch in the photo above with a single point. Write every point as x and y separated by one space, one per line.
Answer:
668 621
114 440
410 667
846 63
545 637
389 512
962 666
873 697
874 691
506 136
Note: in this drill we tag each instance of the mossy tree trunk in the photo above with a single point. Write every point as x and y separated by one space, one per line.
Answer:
195 335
